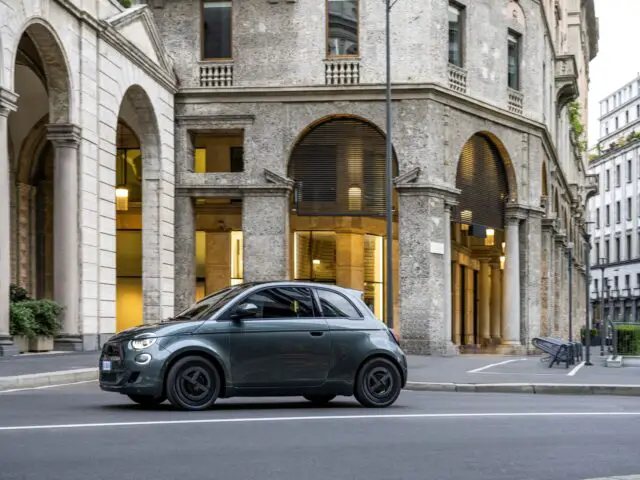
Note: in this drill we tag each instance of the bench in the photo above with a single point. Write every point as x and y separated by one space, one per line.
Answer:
558 350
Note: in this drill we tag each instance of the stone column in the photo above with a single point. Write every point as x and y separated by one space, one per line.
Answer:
185 253
485 302
496 303
511 298
66 263
448 309
218 261
423 243
560 292
7 104
469 307
23 213
546 278
350 260
265 223
531 272
457 303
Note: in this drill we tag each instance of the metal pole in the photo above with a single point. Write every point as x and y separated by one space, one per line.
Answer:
569 254
389 175
602 324
587 304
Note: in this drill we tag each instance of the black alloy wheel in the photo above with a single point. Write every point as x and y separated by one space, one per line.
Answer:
147 400
193 383
378 383
319 399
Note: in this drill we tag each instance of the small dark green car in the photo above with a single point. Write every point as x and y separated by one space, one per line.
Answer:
259 339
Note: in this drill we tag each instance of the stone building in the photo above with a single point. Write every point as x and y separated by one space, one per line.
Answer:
279 161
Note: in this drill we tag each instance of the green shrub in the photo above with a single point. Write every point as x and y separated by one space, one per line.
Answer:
628 339
125 3
18 294
21 320
45 313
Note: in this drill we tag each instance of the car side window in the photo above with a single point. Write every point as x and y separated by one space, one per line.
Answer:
335 305
283 302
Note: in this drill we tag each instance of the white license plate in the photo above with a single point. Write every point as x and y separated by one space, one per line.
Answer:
106 365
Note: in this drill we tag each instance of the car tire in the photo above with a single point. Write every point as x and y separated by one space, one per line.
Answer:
378 383
193 383
146 400
319 400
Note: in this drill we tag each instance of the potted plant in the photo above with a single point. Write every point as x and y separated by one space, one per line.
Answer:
21 325
46 325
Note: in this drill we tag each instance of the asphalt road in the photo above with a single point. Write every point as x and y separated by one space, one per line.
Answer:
78 432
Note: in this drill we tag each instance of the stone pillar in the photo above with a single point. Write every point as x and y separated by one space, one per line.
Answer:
185 253
457 304
511 298
265 223
7 104
531 272
485 302
495 307
546 278
423 243
218 261
66 262
350 260
560 292
23 214
469 307
448 309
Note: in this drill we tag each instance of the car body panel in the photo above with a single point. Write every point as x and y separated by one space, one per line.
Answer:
257 357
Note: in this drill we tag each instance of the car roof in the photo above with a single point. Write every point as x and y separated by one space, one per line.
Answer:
302 283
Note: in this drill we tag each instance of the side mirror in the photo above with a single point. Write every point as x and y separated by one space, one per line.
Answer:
246 310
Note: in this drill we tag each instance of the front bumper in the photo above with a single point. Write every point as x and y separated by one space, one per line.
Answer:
127 375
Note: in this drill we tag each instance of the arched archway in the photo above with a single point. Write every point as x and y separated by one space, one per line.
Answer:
486 181
137 188
338 165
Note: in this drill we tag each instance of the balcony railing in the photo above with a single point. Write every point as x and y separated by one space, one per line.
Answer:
216 74
457 79
516 100
342 72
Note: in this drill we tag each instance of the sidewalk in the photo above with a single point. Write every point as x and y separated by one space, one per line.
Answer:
463 373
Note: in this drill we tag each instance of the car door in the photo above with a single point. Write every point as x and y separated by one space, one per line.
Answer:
286 344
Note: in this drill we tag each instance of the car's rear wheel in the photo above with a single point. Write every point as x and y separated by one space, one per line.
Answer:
320 399
378 383
193 383
146 400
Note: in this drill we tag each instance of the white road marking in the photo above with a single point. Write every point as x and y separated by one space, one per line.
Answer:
477 370
41 387
575 369
318 418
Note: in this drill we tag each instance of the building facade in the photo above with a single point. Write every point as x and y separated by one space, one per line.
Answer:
615 210
279 148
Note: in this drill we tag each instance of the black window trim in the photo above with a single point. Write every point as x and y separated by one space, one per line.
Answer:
224 315
346 297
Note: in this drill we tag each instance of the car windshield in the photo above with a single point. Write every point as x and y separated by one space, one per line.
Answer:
211 303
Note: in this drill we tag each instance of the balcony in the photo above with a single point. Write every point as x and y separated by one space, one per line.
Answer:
216 74
516 101
342 71
457 79
566 77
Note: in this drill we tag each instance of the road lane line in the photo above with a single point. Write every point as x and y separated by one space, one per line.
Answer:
495 365
575 369
41 387
318 417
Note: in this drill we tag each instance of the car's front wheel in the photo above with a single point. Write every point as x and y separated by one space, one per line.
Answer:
193 383
378 383
320 399
146 400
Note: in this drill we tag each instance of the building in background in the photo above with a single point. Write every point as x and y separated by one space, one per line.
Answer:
615 210
276 112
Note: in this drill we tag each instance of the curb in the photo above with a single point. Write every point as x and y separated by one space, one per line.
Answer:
48 379
530 388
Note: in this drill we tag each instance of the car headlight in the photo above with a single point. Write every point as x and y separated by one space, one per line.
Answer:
142 343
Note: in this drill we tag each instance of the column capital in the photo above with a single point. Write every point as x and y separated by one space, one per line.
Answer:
494 264
514 213
64 134
8 102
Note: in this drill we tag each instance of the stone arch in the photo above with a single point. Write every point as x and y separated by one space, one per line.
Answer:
26 163
56 67
343 137
483 179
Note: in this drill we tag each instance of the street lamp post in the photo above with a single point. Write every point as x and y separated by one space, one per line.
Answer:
389 172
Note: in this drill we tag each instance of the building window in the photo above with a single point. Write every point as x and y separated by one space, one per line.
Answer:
595 284
617 175
618 256
629 253
629 171
597 251
606 128
342 28
638 280
456 28
513 54
617 123
608 219
626 117
597 217
629 208
607 180
618 211
637 111
216 30
606 251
